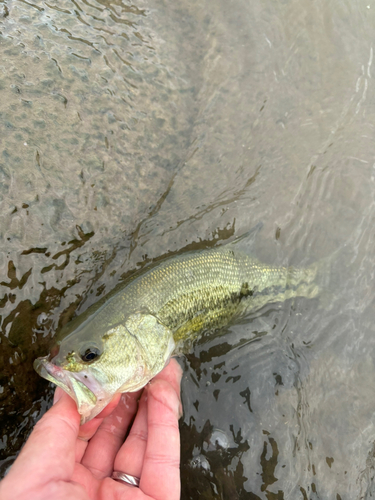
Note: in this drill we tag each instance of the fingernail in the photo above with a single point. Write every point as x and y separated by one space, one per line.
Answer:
180 411
180 373
58 393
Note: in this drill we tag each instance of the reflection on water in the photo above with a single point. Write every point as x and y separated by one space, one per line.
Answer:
130 132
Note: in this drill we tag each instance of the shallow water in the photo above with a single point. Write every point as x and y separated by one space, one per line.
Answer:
130 132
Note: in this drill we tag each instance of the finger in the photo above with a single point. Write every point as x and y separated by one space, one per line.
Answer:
88 430
161 467
172 373
48 454
130 457
105 444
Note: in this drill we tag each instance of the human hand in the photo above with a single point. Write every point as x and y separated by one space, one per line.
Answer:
62 460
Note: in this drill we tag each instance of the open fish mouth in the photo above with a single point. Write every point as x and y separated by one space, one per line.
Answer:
82 387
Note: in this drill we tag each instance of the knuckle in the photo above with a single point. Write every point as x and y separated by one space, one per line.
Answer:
138 434
163 392
112 430
163 459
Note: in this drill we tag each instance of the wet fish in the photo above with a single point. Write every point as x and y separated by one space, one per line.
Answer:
122 342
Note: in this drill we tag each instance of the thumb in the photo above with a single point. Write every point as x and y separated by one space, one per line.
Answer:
49 453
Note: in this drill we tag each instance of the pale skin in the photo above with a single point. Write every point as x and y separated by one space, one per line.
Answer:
62 459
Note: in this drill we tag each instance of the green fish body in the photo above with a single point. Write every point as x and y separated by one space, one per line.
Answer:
125 340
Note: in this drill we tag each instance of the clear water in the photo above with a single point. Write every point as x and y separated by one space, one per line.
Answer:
129 132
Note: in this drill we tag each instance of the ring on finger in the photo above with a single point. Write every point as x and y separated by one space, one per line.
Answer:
125 478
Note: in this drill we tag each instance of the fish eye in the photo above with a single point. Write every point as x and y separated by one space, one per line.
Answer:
90 354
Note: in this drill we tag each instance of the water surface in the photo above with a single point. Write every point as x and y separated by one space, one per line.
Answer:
129 132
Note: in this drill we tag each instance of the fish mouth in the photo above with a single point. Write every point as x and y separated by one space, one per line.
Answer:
82 387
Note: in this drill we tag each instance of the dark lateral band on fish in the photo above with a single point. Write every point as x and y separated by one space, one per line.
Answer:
121 343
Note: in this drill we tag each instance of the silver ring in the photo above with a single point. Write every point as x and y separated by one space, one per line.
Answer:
122 477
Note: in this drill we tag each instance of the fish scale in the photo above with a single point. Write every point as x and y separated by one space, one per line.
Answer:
205 289
199 290
125 339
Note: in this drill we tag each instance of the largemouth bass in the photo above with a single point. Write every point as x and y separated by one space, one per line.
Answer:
125 340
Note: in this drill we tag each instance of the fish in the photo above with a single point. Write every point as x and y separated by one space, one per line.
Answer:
119 344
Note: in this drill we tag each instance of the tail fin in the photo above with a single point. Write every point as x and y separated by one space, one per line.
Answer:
310 282
324 280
